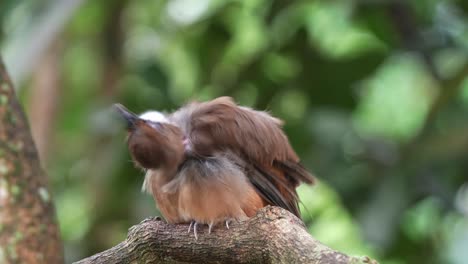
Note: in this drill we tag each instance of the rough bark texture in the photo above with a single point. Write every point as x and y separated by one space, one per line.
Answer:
273 236
28 228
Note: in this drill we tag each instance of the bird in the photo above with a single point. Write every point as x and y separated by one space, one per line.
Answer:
214 161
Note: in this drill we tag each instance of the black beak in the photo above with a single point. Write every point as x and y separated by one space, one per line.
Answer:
130 117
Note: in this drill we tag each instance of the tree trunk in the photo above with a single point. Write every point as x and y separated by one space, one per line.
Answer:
28 227
272 236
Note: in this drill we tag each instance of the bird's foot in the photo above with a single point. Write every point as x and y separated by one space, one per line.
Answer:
227 223
210 225
190 226
195 230
194 224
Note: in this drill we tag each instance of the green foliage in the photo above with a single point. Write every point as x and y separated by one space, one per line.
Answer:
400 86
331 28
368 89
329 221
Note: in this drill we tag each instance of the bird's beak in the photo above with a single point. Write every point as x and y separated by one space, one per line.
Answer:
130 117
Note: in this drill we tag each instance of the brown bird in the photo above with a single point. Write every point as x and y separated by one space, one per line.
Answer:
212 162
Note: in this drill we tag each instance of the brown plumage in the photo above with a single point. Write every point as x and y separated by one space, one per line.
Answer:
210 162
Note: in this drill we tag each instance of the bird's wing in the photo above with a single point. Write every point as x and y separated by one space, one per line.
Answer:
273 166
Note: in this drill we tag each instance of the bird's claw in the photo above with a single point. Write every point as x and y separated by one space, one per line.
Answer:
195 230
190 226
210 225
194 224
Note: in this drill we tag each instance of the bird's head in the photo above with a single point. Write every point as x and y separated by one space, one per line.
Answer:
153 142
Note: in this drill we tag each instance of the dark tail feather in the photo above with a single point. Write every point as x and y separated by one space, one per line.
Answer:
295 172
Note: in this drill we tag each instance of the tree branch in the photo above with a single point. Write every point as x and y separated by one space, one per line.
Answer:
272 236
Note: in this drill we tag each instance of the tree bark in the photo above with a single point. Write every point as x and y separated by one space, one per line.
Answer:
272 236
28 227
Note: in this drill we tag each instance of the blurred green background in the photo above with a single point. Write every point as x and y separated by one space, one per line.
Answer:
374 95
